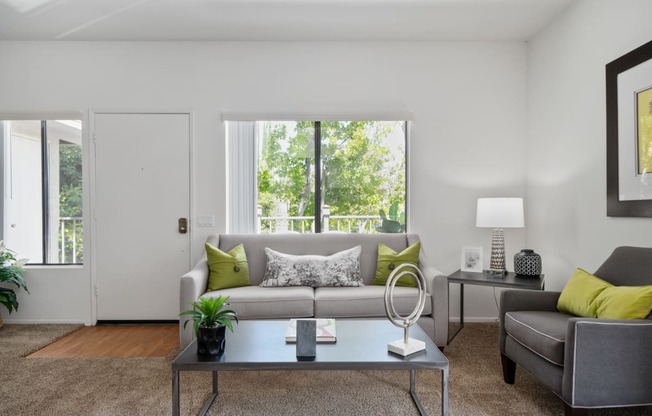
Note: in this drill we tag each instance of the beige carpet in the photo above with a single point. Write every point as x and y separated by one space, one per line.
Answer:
142 386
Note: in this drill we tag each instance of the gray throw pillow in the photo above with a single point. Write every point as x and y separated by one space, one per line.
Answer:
339 269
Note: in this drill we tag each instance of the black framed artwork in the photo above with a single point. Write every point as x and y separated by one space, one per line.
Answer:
629 134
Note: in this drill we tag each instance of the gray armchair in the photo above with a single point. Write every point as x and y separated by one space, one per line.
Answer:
589 363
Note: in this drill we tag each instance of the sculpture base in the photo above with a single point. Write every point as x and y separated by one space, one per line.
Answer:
401 348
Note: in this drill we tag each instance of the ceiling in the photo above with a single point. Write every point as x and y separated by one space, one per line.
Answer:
276 20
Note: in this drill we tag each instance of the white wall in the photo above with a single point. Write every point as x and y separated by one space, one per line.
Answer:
467 138
566 169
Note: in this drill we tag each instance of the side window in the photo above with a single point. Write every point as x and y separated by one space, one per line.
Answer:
42 205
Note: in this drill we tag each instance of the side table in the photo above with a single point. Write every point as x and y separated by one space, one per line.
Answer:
510 280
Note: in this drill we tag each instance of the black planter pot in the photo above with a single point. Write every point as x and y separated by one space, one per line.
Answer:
211 341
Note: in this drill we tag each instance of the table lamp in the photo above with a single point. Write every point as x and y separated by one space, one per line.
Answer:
499 213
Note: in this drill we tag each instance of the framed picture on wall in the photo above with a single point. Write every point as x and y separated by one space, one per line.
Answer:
472 259
629 134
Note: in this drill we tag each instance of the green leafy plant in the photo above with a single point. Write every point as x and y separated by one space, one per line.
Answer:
11 272
210 313
392 222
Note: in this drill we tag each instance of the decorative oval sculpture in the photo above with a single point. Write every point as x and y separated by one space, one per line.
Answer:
407 345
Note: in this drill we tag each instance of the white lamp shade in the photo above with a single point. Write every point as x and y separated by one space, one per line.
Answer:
500 213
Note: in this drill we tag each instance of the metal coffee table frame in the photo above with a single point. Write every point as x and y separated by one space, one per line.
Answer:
361 345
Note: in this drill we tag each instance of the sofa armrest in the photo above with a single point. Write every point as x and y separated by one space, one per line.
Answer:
193 284
437 287
605 355
524 300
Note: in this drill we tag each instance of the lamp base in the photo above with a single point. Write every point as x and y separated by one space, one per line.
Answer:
497 250
400 347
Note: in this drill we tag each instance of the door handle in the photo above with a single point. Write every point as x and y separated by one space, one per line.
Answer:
183 225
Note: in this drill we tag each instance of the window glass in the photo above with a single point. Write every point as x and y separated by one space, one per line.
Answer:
43 212
334 176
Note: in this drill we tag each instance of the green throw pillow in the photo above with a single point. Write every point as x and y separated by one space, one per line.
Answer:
227 269
624 302
388 260
578 297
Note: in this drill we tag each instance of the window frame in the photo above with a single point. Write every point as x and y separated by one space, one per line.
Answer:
45 180
404 118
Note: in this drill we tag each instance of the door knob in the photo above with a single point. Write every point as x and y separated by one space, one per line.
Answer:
183 225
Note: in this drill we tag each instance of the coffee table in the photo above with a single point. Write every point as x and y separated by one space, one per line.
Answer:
361 344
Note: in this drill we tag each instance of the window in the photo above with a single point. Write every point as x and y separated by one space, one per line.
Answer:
323 176
42 205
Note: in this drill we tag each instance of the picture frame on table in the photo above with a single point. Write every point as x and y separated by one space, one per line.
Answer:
629 134
471 259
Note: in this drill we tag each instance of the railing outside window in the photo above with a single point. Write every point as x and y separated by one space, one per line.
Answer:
70 240
330 223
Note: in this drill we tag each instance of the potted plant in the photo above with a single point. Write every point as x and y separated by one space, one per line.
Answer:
210 320
11 272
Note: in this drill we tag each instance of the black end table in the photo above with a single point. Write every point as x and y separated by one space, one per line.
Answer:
509 280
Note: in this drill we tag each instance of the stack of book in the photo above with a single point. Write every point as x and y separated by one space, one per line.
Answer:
325 330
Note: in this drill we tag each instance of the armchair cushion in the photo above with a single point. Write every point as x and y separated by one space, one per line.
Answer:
624 302
543 333
578 296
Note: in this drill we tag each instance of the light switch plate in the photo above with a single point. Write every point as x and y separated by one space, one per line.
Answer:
205 221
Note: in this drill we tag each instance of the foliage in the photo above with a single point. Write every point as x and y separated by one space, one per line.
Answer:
392 223
70 202
209 312
359 169
11 272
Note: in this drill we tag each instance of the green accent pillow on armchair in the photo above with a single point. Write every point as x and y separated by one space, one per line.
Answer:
578 297
389 259
227 270
624 302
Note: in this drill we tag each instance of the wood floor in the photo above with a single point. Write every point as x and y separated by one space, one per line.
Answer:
114 341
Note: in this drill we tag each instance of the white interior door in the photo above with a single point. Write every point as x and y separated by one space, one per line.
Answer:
142 188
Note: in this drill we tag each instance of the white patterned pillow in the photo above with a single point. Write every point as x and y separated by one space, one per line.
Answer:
340 269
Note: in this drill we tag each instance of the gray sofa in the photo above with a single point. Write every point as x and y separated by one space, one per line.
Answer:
255 302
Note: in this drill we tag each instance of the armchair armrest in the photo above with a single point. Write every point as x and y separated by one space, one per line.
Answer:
606 355
524 300
193 284
437 287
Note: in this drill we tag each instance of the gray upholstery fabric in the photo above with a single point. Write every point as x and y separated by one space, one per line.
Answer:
627 266
605 355
524 300
364 302
254 302
543 333
320 244
548 374
606 363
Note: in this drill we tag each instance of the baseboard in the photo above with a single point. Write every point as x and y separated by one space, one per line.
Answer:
136 321
46 321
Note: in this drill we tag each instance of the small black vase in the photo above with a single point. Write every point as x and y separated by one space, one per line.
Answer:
527 263
211 341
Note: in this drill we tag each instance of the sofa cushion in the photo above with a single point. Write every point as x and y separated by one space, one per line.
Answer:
543 333
362 302
254 302
323 244
388 260
227 269
339 269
